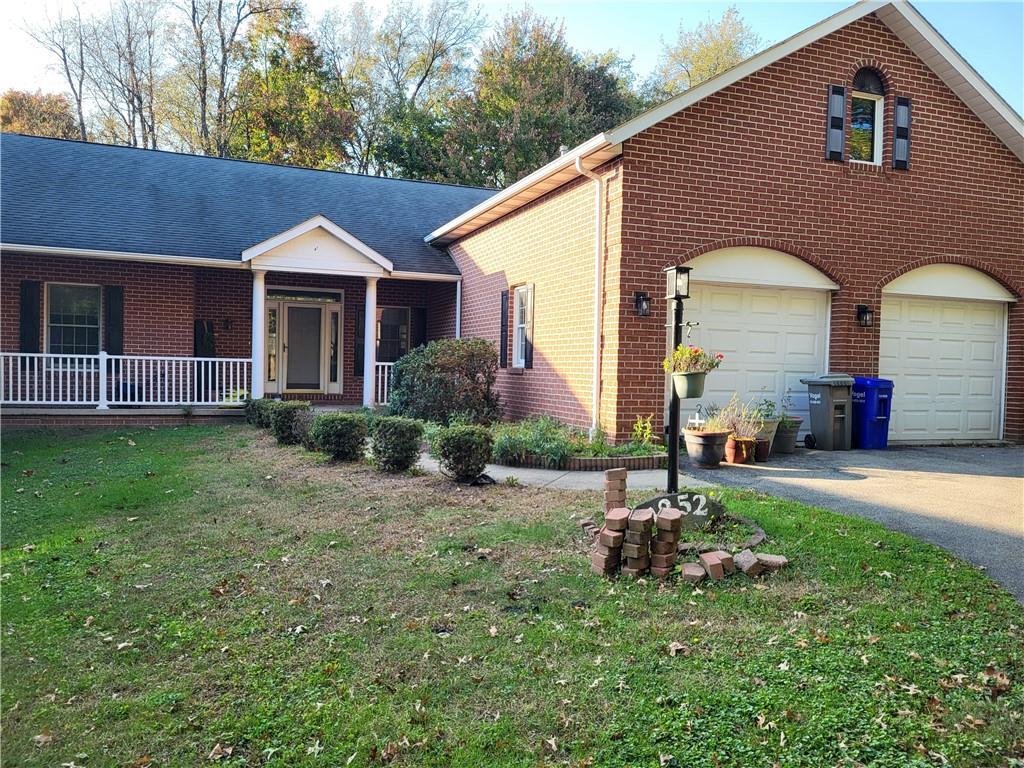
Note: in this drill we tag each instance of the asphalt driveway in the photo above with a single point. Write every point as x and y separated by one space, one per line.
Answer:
967 500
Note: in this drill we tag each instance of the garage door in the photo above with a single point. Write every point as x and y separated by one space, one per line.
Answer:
946 359
771 338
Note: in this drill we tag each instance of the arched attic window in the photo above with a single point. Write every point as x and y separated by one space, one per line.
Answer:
867 110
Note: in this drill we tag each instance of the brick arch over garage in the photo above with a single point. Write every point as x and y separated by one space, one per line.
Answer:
964 261
782 246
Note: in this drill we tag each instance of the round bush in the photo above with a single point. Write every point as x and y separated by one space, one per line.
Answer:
342 435
463 451
396 442
301 425
282 419
447 379
257 412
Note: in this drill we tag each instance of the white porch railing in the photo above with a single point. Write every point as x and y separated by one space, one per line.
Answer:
103 380
382 390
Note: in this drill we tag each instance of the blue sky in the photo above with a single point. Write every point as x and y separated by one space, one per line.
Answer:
990 35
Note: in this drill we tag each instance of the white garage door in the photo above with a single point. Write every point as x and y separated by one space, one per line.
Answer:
771 338
946 359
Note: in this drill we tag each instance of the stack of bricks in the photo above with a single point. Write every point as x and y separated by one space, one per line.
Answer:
637 546
664 546
614 489
608 555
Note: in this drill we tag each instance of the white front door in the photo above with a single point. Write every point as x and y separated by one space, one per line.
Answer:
771 338
304 347
945 357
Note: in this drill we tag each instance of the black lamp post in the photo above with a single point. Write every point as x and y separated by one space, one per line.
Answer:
678 288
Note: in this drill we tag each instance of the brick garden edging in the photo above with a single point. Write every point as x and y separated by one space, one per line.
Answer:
594 463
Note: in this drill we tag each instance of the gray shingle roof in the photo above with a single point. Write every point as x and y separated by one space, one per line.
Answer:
70 194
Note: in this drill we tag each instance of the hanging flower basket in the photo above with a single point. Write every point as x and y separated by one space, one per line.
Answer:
688 384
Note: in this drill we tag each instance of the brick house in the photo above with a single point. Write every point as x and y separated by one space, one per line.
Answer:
859 167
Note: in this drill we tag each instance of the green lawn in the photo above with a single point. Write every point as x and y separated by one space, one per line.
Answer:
167 591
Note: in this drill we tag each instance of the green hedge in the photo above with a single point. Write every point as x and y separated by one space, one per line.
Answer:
342 435
463 451
396 442
282 419
257 412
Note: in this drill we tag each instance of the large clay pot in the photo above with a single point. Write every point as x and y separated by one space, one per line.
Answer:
688 385
739 450
705 449
785 437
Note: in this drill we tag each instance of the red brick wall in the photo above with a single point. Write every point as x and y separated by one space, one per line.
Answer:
224 296
159 299
746 166
549 243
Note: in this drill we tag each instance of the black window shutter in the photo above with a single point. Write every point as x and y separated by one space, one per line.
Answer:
28 322
204 341
419 326
113 319
528 357
835 131
360 343
503 344
901 135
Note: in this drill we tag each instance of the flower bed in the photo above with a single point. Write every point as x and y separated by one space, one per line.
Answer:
544 443
592 463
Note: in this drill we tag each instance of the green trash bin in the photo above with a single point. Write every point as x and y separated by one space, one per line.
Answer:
831 411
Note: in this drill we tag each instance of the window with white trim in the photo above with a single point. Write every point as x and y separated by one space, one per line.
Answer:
73 319
867 110
519 320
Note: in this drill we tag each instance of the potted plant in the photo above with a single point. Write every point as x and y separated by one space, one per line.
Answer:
705 444
788 429
768 411
743 422
689 365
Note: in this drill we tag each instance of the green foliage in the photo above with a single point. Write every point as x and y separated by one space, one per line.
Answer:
38 114
445 379
643 430
701 53
302 423
341 435
396 442
257 412
282 419
686 358
536 437
463 451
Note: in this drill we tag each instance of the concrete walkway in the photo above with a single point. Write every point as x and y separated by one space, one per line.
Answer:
967 500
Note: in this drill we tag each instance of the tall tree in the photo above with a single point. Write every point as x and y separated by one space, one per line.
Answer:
290 107
531 94
701 53
38 114
65 40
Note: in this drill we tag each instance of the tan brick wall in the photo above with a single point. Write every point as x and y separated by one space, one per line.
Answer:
549 243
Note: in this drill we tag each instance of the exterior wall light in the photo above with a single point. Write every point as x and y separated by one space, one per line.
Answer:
865 317
642 302
678 280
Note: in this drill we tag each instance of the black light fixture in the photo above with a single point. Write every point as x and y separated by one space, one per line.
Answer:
865 317
642 302
678 280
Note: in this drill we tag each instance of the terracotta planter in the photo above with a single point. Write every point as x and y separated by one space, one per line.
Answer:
763 449
785 438
739 450
688 385
705 449
769 430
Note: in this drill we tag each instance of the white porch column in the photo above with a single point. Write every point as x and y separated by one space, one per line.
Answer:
259 341
458 309
370 344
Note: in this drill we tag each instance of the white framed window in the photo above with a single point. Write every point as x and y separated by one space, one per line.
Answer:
520 314
73 318
867 112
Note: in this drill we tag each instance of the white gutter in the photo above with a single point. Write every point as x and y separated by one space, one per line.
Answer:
156 258
595 405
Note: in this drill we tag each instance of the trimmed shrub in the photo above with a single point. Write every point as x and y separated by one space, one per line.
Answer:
301 425
447 378
282 419
463 451
538 436
257 412
396 442
342 435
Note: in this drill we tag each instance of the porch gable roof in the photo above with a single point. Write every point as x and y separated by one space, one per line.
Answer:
317 245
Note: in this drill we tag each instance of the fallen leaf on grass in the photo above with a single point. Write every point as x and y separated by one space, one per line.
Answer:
132 519
220 751
43 739
674 648
124 646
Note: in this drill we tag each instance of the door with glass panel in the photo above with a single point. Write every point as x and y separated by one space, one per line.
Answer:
303 342
303 347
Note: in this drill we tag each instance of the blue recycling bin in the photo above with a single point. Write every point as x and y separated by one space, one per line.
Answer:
872 405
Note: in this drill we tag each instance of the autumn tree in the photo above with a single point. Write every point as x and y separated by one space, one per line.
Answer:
64 39
38 114
701 53
290 107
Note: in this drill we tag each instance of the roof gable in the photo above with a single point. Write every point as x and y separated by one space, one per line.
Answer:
317 245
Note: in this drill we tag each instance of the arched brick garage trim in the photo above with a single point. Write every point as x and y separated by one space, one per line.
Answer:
774 245
965 261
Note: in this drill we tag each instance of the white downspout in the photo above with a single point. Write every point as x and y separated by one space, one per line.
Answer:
595 405
458 309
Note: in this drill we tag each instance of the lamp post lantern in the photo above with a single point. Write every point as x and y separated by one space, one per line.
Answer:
678 288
